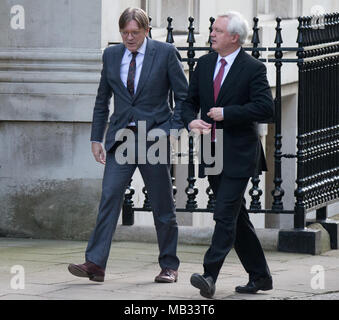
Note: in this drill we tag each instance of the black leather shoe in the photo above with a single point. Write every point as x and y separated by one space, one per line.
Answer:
204 283
253 286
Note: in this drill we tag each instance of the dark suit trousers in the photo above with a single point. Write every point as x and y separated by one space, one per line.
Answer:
233 228
158 183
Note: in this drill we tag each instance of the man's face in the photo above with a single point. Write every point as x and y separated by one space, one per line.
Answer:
222 41
133 36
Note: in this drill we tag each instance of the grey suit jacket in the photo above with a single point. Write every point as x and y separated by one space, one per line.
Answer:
161 71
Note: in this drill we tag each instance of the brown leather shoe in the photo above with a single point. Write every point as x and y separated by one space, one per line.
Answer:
167 276
87 270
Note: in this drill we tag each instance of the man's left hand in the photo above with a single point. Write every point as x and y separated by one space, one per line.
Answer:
216 114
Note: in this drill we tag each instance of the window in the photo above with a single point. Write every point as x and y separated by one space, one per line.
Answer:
159 10
285 9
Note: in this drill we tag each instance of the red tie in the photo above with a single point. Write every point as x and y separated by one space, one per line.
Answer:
217 85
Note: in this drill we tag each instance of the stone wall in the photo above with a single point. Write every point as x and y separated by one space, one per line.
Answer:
50 61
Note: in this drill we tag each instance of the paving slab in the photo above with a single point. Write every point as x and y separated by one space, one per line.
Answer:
132 266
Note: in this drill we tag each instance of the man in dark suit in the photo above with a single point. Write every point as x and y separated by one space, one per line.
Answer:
230 89
139 73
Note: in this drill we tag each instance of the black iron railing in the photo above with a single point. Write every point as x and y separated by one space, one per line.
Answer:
318 116
318 121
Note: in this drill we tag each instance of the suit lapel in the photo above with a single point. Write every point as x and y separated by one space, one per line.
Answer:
146 66
210 73
230 80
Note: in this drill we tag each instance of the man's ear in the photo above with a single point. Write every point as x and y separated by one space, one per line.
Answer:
235 38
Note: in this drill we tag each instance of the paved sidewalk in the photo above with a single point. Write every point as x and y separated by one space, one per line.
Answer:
132 267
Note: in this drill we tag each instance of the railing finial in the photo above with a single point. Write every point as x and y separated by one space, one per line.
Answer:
255 38
210 29
169 37
190 38
150 27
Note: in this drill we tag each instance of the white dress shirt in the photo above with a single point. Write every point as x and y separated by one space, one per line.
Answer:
229 59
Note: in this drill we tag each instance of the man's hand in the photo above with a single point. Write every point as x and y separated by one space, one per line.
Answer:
200 126
216 114
98 152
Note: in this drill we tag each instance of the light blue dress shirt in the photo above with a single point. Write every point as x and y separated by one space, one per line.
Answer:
126 60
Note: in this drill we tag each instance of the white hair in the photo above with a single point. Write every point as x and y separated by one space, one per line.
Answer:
237 24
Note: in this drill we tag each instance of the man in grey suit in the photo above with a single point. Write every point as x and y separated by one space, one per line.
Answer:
139 73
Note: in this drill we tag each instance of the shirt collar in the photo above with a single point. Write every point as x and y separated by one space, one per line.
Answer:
230 58
141 50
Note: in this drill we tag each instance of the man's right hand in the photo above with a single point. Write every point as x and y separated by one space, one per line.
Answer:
200 126
98 152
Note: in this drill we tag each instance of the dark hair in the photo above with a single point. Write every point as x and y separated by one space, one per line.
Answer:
136 14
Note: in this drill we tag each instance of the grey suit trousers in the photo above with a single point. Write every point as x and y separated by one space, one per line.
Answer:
158 183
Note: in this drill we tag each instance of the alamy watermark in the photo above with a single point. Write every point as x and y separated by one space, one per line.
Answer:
17 21
318 17
318 280
152 147
18 280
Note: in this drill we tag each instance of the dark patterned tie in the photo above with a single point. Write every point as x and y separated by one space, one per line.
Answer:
216 86
131 74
